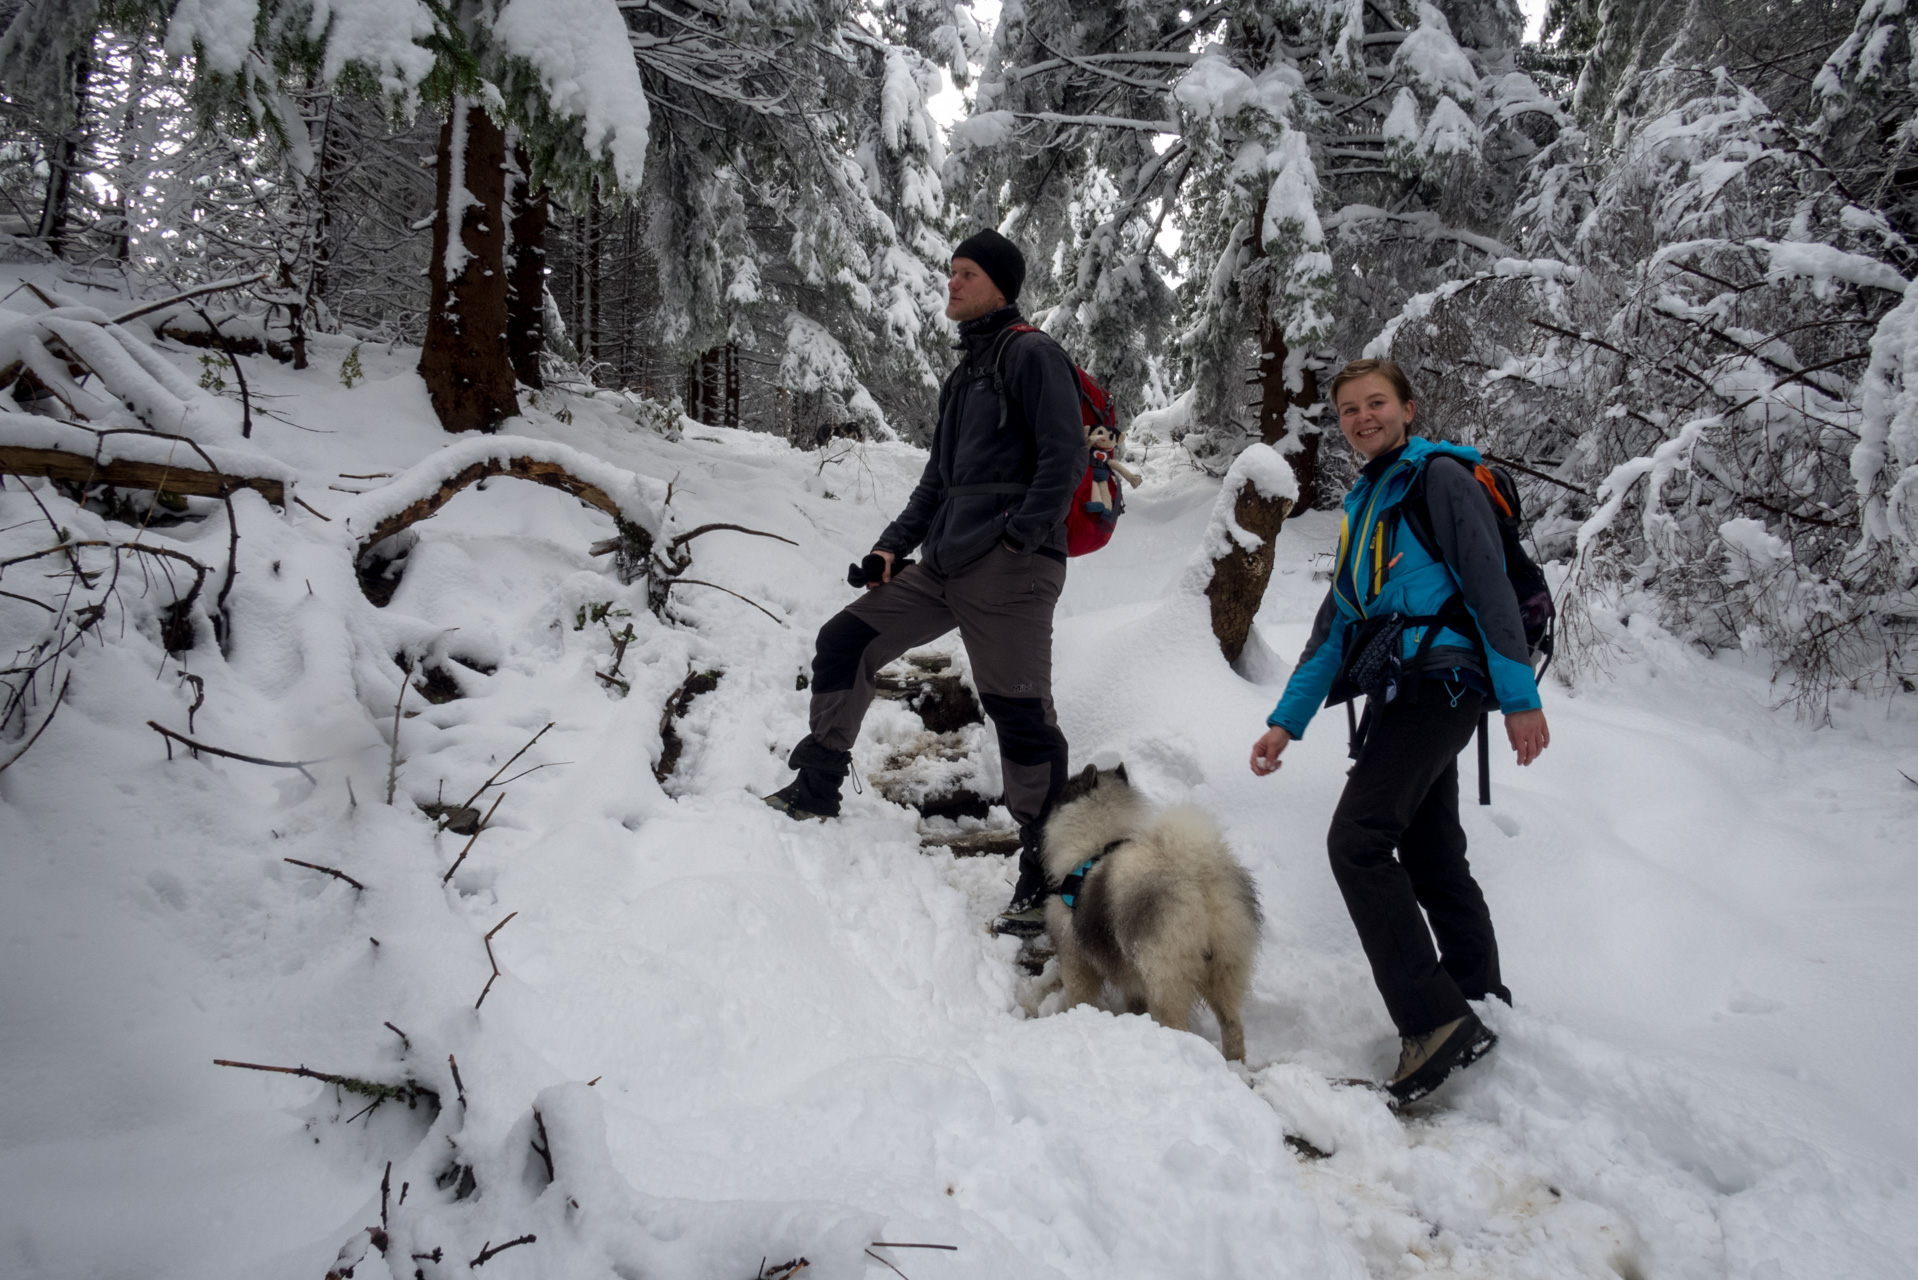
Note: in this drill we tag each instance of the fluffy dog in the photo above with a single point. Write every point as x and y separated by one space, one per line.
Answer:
1164 912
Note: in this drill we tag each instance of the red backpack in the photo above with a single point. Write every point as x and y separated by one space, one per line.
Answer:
1089 525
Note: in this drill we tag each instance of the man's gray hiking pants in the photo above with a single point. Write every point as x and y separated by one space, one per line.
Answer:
1003 607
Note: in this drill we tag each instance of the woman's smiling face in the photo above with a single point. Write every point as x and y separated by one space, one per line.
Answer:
1372 416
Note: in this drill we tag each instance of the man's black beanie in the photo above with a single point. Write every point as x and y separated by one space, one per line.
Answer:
998 257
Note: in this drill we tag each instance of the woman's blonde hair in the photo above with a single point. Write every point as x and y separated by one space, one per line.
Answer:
1388 369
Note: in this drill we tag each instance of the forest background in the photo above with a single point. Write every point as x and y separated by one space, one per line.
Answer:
1656 260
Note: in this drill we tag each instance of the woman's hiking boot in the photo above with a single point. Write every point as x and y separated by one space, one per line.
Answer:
1425 1061
815 792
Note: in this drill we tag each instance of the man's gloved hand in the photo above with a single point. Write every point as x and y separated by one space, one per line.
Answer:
875 570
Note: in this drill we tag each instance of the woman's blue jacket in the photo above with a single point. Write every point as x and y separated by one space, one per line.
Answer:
1382 567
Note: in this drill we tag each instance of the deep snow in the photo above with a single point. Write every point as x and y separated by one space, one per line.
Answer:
803 1039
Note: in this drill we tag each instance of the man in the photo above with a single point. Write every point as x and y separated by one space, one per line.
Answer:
1402 793
988 517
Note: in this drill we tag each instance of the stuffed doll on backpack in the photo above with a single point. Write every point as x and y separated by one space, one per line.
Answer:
1106 443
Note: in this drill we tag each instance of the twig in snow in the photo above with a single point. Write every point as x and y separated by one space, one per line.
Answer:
409 1093
509 764
190 744
487 1251
888 1266
199 696
491 959
895 1244
337 875
393 760
43 725
695 582
687 537
405 1044
459 1086
315 510
386 1186
469 843
544 1147
1901 773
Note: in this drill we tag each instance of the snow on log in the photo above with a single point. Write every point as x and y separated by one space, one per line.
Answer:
636 503
1235 556
133 386
132 459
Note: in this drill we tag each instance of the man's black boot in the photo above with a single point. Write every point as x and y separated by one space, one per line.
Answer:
815 792
1025 915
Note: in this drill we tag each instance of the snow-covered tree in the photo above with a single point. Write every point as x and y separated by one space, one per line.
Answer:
1701 352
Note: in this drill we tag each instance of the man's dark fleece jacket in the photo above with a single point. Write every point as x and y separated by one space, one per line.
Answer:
1035 436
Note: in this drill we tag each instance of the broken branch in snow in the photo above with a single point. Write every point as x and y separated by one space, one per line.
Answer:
470 841
509 764
336 874
406 1046
410 1092
492 959
544 1147
684 538
488 1251
198 747
459 1086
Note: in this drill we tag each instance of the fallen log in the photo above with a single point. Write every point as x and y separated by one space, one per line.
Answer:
550 474
127 473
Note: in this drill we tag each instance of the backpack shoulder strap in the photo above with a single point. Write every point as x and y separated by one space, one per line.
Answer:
1005 338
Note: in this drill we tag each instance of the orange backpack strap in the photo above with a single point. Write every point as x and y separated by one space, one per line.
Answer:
1483 474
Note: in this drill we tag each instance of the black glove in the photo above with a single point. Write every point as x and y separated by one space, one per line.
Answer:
872 570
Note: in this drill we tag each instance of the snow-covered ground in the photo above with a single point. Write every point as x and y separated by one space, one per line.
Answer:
801 1039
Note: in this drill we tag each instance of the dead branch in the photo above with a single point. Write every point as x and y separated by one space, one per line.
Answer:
386 1187
336 874
887 1265
684 538
218 286
199 696
550 474
487 1251
695 582
405 1044
459 1086
492 959
43 724
544 1147
509 764
239 374
410 1093
470 841
894 1244
197 747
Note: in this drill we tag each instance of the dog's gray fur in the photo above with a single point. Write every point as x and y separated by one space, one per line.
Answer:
1168 917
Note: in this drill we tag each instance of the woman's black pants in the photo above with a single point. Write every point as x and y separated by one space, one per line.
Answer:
1403 795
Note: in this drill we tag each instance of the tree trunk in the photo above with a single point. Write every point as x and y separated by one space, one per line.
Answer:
65 156
732 384
465 362
526 273
1239 577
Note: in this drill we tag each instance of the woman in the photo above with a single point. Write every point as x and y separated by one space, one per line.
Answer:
1403 791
